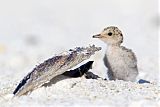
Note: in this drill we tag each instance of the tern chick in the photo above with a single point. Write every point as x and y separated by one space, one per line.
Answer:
120 61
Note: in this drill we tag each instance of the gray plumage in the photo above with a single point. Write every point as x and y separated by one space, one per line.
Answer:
120 61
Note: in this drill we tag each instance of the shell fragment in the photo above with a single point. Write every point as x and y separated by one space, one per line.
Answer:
52 67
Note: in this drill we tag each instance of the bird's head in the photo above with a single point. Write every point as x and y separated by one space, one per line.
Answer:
110 35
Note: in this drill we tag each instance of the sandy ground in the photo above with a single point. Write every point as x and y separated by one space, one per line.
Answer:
82 92
33 31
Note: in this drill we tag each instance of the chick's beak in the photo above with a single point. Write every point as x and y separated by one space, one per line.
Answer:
97 36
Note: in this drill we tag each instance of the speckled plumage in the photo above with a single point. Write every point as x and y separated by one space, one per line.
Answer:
120 61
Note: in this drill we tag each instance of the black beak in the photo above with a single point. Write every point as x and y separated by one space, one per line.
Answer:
97 36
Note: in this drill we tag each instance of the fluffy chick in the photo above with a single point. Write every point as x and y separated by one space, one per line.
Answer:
120 61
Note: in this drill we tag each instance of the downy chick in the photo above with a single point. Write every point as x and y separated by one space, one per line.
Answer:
120 61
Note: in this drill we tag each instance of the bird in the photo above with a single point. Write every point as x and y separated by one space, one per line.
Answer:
120 61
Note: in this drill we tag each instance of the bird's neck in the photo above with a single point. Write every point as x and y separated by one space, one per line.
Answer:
113 47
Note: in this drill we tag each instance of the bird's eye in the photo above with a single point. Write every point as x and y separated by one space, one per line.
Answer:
109 34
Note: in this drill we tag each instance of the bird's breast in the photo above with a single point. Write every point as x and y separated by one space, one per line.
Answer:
116 62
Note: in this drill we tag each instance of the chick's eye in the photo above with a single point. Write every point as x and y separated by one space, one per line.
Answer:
109 34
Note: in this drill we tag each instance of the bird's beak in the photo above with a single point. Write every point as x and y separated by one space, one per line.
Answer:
97 36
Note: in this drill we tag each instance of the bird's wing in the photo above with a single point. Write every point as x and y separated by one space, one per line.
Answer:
110 73
106 62
129 57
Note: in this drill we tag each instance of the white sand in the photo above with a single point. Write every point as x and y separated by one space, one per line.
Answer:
88 92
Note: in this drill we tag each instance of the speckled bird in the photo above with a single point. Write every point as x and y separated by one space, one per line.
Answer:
120 61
